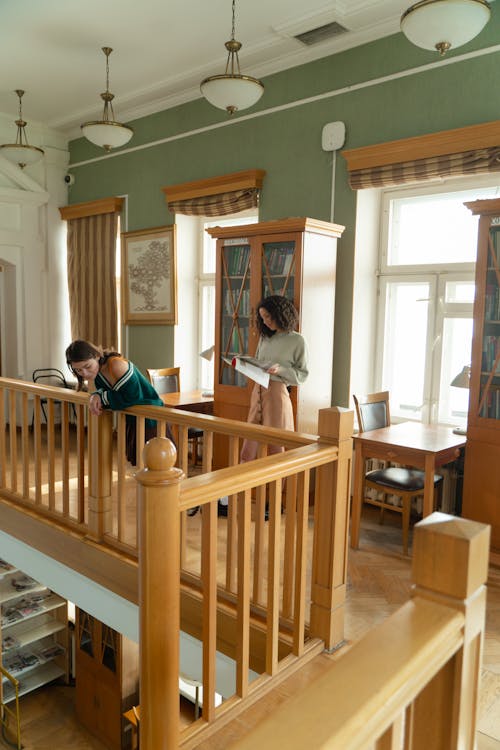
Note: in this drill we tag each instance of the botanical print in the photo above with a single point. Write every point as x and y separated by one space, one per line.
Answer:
149 275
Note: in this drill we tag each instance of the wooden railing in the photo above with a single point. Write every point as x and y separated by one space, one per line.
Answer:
412 682
269 594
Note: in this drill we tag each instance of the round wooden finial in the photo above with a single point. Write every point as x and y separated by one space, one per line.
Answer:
159 454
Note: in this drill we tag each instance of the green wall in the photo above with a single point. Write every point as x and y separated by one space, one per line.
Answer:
429 94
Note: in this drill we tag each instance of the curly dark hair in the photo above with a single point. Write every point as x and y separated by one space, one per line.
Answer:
282 310
80 350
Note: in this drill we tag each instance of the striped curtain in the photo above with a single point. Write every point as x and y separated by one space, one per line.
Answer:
216 205
92 278
468 162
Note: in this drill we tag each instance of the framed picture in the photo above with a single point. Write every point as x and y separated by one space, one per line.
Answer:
149 284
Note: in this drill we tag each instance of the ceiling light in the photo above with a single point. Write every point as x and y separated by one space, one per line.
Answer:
21 152
442 24
107 133
232 90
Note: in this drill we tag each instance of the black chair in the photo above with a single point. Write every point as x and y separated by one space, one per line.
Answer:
167 380
373 413
49 376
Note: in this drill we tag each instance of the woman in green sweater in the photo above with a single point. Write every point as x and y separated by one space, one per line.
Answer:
280 344
118 384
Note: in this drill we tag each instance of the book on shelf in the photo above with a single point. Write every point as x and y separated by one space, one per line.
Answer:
252 368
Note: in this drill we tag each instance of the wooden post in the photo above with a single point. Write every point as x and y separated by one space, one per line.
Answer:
450 565
331 529
100 447
159 594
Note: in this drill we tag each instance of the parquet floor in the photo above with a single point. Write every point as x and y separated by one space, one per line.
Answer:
378 583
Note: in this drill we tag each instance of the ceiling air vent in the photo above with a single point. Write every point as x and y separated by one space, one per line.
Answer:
321 33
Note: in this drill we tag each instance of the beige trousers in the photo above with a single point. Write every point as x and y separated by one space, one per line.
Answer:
271 407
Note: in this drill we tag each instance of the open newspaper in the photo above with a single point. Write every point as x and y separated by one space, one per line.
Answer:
252 368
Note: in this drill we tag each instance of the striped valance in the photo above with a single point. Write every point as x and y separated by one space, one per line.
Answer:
462 151
447 165
217 205
216 196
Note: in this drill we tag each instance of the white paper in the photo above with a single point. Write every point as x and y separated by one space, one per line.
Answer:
254 372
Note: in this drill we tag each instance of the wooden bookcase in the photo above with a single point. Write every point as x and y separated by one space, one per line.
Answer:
107 678
34 630
481 499
294 257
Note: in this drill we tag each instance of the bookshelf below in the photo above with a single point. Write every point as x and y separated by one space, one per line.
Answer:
34 632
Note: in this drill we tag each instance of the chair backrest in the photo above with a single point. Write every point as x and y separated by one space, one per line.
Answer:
165 379
372 411
49 376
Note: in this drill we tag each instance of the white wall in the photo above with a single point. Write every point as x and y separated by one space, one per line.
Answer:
364 339
186 331
33 306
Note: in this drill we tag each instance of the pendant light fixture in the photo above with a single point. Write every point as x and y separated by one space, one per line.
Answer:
232 91
443 24
106 132
21 152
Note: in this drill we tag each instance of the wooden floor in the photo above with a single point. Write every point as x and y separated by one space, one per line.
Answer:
378 583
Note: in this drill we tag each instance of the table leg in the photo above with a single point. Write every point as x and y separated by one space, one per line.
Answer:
428 505
357 500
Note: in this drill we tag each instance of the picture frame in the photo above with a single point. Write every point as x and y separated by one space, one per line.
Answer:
149 279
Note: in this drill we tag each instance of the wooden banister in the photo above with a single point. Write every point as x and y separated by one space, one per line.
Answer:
100 469
159 595
331 530
416 674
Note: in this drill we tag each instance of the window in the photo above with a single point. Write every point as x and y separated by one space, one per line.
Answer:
426 295
207 290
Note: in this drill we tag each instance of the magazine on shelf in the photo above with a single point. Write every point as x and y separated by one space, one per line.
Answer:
8 641
252 368
23 583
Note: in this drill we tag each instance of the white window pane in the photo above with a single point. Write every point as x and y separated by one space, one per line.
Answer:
405 347
434 229
460 291
456 354
207 334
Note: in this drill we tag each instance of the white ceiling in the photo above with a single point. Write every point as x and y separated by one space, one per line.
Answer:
162 49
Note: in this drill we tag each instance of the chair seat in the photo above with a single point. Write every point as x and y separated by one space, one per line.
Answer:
195 432
396 478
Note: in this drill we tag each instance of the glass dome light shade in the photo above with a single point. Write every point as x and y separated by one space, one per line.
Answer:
20 154
232 92
106 133
442 24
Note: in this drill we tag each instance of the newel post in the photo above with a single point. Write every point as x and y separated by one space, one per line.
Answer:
100 442
159 594
331 529
450 566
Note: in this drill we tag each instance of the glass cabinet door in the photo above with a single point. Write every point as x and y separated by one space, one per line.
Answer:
278 269
235 309
489 388
109 647
86 625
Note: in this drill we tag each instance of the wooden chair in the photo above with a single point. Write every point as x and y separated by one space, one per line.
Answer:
168 380
373 413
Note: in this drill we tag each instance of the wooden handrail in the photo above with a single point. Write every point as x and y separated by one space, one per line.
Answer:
265 636
416 674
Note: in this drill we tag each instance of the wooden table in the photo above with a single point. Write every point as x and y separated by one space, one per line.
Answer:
411 444
189 400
